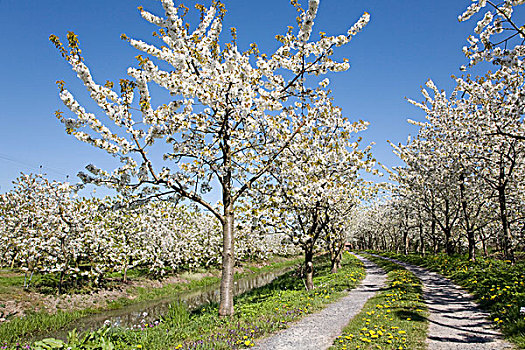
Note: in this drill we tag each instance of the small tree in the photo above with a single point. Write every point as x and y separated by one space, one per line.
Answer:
44 231
231 116
339 220
316 173
463 132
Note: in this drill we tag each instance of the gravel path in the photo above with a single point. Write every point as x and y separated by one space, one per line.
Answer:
318 331
455 321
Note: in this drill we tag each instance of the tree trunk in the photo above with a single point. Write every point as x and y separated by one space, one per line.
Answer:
61 281
468 227
421 239
228 261
309 269
228 258
405 241
433 234
483 244
333 265
13 261
449 249
335 246
336 261
471 245
125 277
447 230
507 244
333 251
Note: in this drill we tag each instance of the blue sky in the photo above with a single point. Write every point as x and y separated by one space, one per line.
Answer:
405 43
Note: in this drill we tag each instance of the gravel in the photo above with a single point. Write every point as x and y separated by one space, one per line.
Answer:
455 321
318 331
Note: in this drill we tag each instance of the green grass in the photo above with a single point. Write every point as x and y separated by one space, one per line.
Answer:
395 318
278 264
145 294
258 313
37 322
10 281
195 281
498 286
41 323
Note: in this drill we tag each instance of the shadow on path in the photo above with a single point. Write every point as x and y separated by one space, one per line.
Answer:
455 321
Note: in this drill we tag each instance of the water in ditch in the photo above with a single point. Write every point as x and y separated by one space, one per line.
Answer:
151 311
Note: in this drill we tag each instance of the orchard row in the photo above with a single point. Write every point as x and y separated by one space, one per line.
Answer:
46 229
461 188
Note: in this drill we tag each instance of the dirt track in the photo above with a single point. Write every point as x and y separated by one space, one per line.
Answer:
455 321
318 331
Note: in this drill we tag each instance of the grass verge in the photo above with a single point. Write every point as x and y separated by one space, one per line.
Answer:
395 318
145 294
497 286
258 313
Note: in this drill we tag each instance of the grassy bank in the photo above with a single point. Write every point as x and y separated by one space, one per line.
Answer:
258 313
197 280
43 322
395 318
498 286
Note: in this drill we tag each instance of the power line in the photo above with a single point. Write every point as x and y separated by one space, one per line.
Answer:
39 168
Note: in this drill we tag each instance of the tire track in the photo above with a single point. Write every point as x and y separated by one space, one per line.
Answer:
455 320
